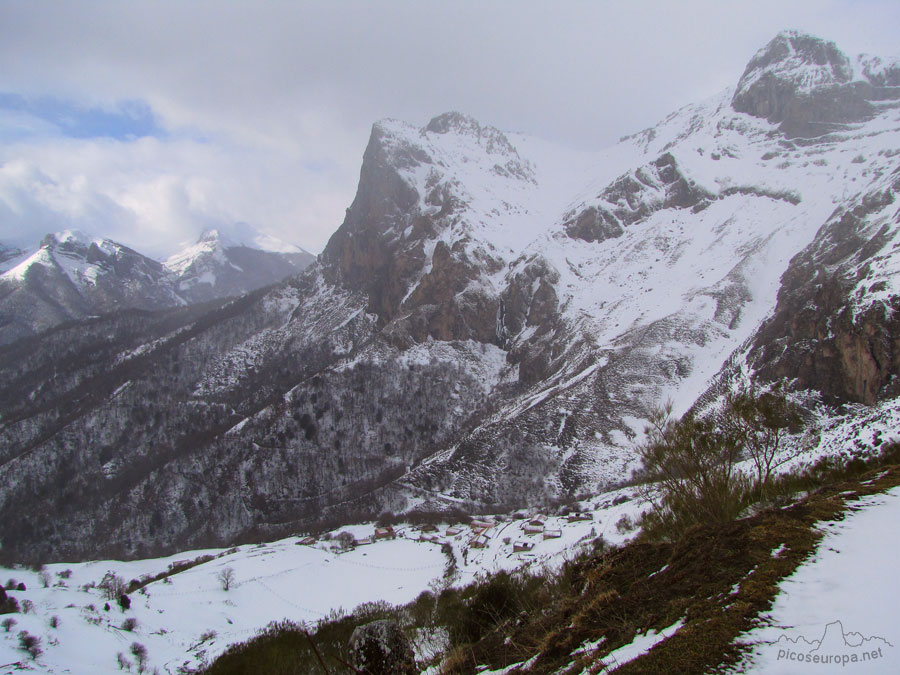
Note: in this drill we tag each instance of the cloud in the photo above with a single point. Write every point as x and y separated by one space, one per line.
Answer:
260 112
156 195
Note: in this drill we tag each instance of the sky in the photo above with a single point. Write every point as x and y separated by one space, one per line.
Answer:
148 122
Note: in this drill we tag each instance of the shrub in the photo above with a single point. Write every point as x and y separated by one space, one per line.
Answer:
8 623
8 604
31 644
624 524
27 607
130 624
760 422
54 621
693 465
124 602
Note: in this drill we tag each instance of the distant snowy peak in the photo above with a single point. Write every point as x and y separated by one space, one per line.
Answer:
81 257
233 261
241 234
214 243
811 87
73 275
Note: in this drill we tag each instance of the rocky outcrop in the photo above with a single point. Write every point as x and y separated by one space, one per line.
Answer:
633 197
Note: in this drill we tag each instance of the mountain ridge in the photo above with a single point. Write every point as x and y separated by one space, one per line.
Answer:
491 323
73 275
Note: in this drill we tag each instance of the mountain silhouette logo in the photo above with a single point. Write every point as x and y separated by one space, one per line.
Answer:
836 646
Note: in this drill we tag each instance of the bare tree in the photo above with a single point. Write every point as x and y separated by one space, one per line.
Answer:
139 652
346 540
124 664
112 585
761 422
226 578
8 623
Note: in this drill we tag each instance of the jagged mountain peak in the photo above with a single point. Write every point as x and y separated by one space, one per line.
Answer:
67 236
809 60
78 241
210 235
811 88
243 234
453 121
490 138
231 260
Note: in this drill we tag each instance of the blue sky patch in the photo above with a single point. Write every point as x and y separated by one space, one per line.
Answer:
22 117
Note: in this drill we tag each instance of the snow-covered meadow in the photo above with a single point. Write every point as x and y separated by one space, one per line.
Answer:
188 618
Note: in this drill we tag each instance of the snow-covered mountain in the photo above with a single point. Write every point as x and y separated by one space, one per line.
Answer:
220 266
72 275
491 323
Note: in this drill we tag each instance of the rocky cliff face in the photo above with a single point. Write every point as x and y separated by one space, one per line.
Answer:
407 241
835 329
